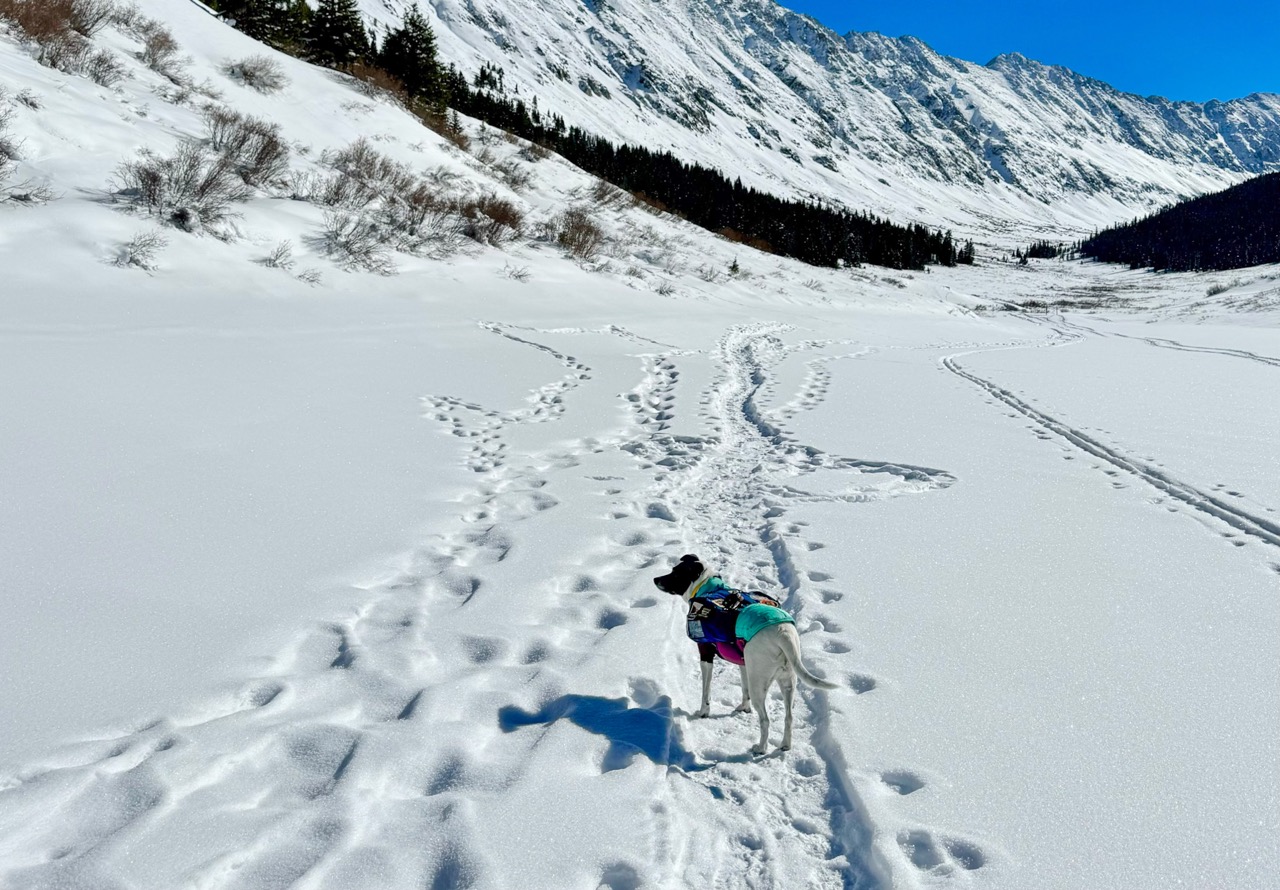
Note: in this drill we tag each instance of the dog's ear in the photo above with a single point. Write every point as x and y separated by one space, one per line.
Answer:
689 557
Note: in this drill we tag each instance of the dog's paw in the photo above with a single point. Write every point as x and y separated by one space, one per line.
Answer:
744 708
759 750
705 712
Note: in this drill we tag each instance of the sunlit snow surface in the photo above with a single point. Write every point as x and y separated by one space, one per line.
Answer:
348 586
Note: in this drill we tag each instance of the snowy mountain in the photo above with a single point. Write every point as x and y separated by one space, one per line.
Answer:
882 123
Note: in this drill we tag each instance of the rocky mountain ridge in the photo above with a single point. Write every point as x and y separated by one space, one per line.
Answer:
1011 148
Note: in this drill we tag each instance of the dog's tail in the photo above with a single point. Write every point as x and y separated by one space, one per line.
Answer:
791 651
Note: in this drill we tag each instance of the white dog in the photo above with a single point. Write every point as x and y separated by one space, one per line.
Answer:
747 628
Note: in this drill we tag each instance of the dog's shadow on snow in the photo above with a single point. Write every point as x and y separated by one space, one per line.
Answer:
631 731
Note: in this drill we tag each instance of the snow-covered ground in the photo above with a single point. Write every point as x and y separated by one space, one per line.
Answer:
348 584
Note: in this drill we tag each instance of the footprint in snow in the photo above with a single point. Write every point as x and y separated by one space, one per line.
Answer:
861 683
928 853
901 781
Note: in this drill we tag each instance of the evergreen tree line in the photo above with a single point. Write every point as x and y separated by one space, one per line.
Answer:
1042 250
814 232
1231 229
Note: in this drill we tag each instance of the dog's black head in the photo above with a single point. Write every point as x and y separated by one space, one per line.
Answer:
677 581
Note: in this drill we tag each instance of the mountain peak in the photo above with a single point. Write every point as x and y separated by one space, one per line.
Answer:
880 123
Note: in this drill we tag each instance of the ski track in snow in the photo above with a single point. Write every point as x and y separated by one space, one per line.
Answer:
353 761
1164 343
1202 504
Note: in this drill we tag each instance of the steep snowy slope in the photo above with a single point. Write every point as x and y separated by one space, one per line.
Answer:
881 123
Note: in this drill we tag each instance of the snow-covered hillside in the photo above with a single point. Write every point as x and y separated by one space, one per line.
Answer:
321 578
885 124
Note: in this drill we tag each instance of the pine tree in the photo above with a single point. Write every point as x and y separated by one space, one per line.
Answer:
280 23
409 55
336 35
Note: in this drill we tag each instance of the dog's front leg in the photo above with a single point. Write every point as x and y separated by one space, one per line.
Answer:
745 707
705 710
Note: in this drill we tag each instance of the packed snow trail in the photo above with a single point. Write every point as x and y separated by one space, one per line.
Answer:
730 491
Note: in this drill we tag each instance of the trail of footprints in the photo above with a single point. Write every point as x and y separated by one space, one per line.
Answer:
298 760
736 524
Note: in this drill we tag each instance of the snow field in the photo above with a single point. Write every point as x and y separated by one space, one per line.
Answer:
1102 689
349 584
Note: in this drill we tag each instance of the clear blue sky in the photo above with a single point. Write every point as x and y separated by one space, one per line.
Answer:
1220 49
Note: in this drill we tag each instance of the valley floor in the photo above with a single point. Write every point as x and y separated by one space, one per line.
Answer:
1038 552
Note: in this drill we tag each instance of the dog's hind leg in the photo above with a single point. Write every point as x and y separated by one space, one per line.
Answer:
760 681
788 683
745 707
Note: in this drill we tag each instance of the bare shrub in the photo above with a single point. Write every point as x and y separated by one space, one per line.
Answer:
514 174
357 242
534 152
60 30
127 17
365 164
159 49
38 20
254 147
281 257
9 147
1222 288
29 99
88 17
609 196
487 135
577 233
375 83
141 250
27 191
516 273
66 51
422 216
666 289
192 188
491 220
378 200
104 68
261 73
310 276
334 190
